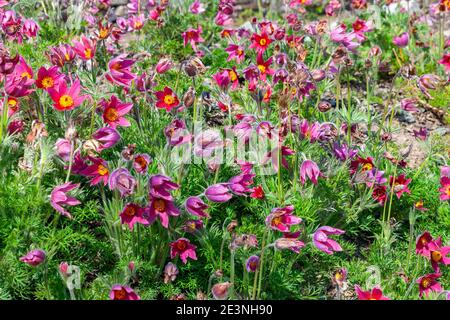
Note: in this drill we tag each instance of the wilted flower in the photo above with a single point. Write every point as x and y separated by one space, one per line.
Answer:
59 197
170 272
184 249
34 257
409 104
122 181
289 243
220 291
119 292
325 244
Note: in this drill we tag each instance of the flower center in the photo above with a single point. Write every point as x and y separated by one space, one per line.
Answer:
160 205
102 170
426 283
232 75
436 256
12 103
111 114
168 99
276 221
130 211
263 42
262 68
66 101
47 82
239 52
88 53
141 161
181 245
120 294
103 33
26 74
447 190
367 166
67 56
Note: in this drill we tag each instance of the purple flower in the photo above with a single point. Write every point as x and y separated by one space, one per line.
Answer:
141 162
402 40
409 104
325 244
343 152
309 169
375 177
34 257
161 186
123 181
133 214
119 292
59 197
421 134
252 263
170 272
63 149
176 133
195 206
218 193
107 137
239 184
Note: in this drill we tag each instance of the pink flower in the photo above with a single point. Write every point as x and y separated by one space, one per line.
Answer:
63 149
264 66
429 283
161 186
197 7
325 244
133 214
176 133
409 104
85 48
119 71
195 206
218 193
98 170
193 36
184 249
34 257
170 272
30 28
309 169
167 99
136 22
235 52
220 291
282 219
65 99
438 254
402 40
422 243
119 292
289 243
121 180
260 42
49 78
161 208
114 111
374 294
59 197
445 189
163 65
240 184
445 61
107 137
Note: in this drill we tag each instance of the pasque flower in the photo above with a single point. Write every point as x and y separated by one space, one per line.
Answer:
374 294
167 99
63 149
119 71
107 137
235 52
282 219
49 78
422 243
132 214
162 209
119 292
260 42
141 163
429 283
98 171
220 291
114 111
85 48
161 186
65 99
400 184
445 61
177 133
445 188
240 184
170 272
402 40
121 180
163 65
197 7
438 254
59 197
323 242
252 263
195 206
193 36
309 169
183 248
218 193
34 257
289 243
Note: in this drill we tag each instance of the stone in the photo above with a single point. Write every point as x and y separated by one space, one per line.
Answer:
121 11
115 3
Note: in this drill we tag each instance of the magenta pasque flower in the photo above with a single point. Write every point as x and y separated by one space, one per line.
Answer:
141 163
240 184
183 248
132 214
122 181
196 207
218 193
402 40
107 137
119 71
309 169
114 111
176 133
119 292
374 294
161 186
162 209
252 263
429 283
63 149
325 244
59 197
34 257
282 219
